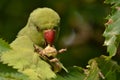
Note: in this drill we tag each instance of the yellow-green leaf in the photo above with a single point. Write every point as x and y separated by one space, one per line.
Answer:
4 46
23 58
112 31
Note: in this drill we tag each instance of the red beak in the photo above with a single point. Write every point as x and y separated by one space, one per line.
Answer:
49 36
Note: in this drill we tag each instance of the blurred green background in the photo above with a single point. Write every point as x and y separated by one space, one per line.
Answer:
82 25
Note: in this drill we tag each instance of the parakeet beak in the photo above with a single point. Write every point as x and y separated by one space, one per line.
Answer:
49 36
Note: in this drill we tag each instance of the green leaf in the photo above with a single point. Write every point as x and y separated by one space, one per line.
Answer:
109 68
13 76
8 73
99 68
92 71
112 31
4 68
75 73
4 46
23 58
111 1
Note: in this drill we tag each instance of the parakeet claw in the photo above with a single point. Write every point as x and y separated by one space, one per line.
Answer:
36 48
54 60
62 50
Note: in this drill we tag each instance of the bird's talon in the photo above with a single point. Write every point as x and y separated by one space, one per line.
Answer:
62 50
54 60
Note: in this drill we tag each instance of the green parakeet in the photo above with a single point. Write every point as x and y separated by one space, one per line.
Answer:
38 30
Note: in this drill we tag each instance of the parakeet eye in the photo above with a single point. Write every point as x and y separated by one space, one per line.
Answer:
55 28
38 29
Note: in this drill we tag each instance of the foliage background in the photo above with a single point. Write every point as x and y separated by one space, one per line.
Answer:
81 25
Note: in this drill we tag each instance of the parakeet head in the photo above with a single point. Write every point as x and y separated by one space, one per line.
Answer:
45 20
